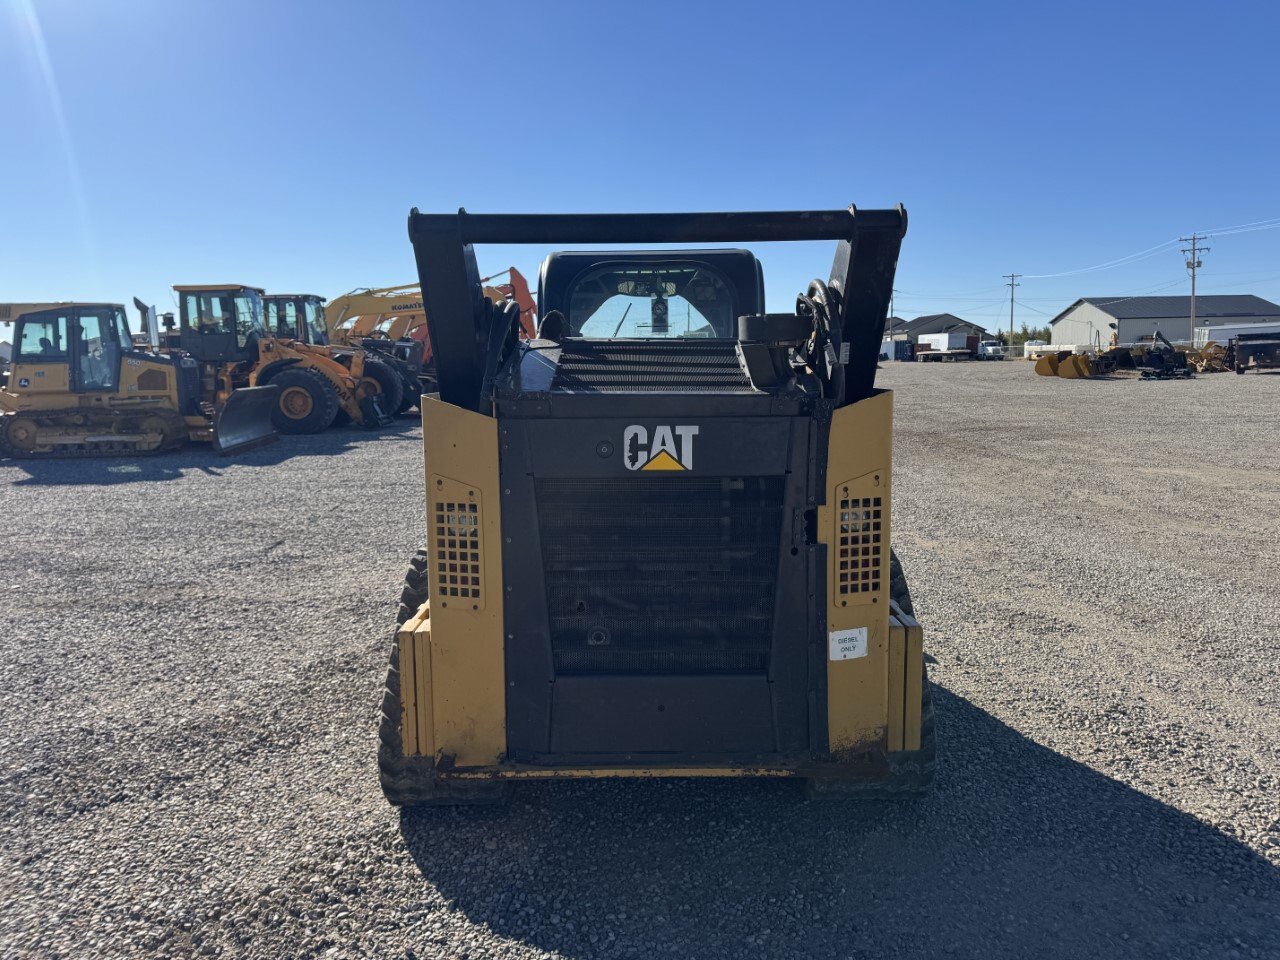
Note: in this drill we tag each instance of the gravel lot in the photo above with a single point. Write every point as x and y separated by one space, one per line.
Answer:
193 651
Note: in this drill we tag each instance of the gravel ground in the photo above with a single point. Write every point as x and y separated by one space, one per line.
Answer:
193 653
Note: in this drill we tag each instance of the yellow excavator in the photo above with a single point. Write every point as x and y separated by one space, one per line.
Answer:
221 327
79 386
392 321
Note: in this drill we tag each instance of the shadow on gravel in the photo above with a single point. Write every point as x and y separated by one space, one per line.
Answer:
1019 852
101 471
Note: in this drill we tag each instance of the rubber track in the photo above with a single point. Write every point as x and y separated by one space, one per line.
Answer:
910 774
408 781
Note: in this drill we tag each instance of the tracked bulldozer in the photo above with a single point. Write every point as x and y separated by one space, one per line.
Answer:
659 533
80 386
221 327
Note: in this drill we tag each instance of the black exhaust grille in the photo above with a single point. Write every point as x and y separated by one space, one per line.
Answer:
670 575
680 366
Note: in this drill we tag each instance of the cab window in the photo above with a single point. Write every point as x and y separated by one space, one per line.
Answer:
319 334
676 299
221 313
122 329
98 352
282 319
43 338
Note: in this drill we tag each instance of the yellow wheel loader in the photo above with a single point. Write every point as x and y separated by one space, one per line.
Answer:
658 534
79 386
299 318
221 327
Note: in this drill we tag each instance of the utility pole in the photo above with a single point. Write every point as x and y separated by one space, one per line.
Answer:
1193 264
1013 282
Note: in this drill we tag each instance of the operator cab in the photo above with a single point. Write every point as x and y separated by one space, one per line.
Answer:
74 346
296 316
220 323
644 295
659 322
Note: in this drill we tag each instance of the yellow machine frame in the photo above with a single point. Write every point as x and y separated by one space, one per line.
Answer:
451 652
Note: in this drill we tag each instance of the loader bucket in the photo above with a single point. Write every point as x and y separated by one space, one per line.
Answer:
1047 365
245 419
1074 367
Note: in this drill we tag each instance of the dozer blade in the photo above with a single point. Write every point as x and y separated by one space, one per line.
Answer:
245 419
1047 365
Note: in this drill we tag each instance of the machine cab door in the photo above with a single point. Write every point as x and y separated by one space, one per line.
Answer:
313 323
97 349
42 353
281 318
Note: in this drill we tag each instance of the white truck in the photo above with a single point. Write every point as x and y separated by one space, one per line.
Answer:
992 350
952 345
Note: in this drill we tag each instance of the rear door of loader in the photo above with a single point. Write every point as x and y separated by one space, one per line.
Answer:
643 609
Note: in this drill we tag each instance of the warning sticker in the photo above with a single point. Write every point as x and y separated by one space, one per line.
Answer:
848 644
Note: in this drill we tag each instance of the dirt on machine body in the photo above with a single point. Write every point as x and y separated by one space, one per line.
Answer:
79 385
696 495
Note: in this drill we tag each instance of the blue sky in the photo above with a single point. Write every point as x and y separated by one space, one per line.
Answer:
152 142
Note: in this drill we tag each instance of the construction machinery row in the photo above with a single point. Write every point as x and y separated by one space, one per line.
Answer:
237 367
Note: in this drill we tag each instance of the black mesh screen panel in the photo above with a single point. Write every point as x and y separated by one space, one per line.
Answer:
665 575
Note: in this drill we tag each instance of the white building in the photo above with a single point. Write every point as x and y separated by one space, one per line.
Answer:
1090 321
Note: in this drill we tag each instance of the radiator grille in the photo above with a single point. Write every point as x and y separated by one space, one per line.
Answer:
858 557
671 575
588 366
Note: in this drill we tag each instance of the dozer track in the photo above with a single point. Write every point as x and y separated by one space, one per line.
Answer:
26 434
410 781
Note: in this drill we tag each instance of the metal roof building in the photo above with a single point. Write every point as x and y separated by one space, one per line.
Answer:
933 323
1089 320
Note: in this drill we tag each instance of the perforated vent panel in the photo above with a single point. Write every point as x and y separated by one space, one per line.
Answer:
456 546
860 544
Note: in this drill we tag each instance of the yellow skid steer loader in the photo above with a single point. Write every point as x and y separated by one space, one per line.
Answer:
658 533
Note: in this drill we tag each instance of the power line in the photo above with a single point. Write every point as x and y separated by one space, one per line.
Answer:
1269 224
1110 264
